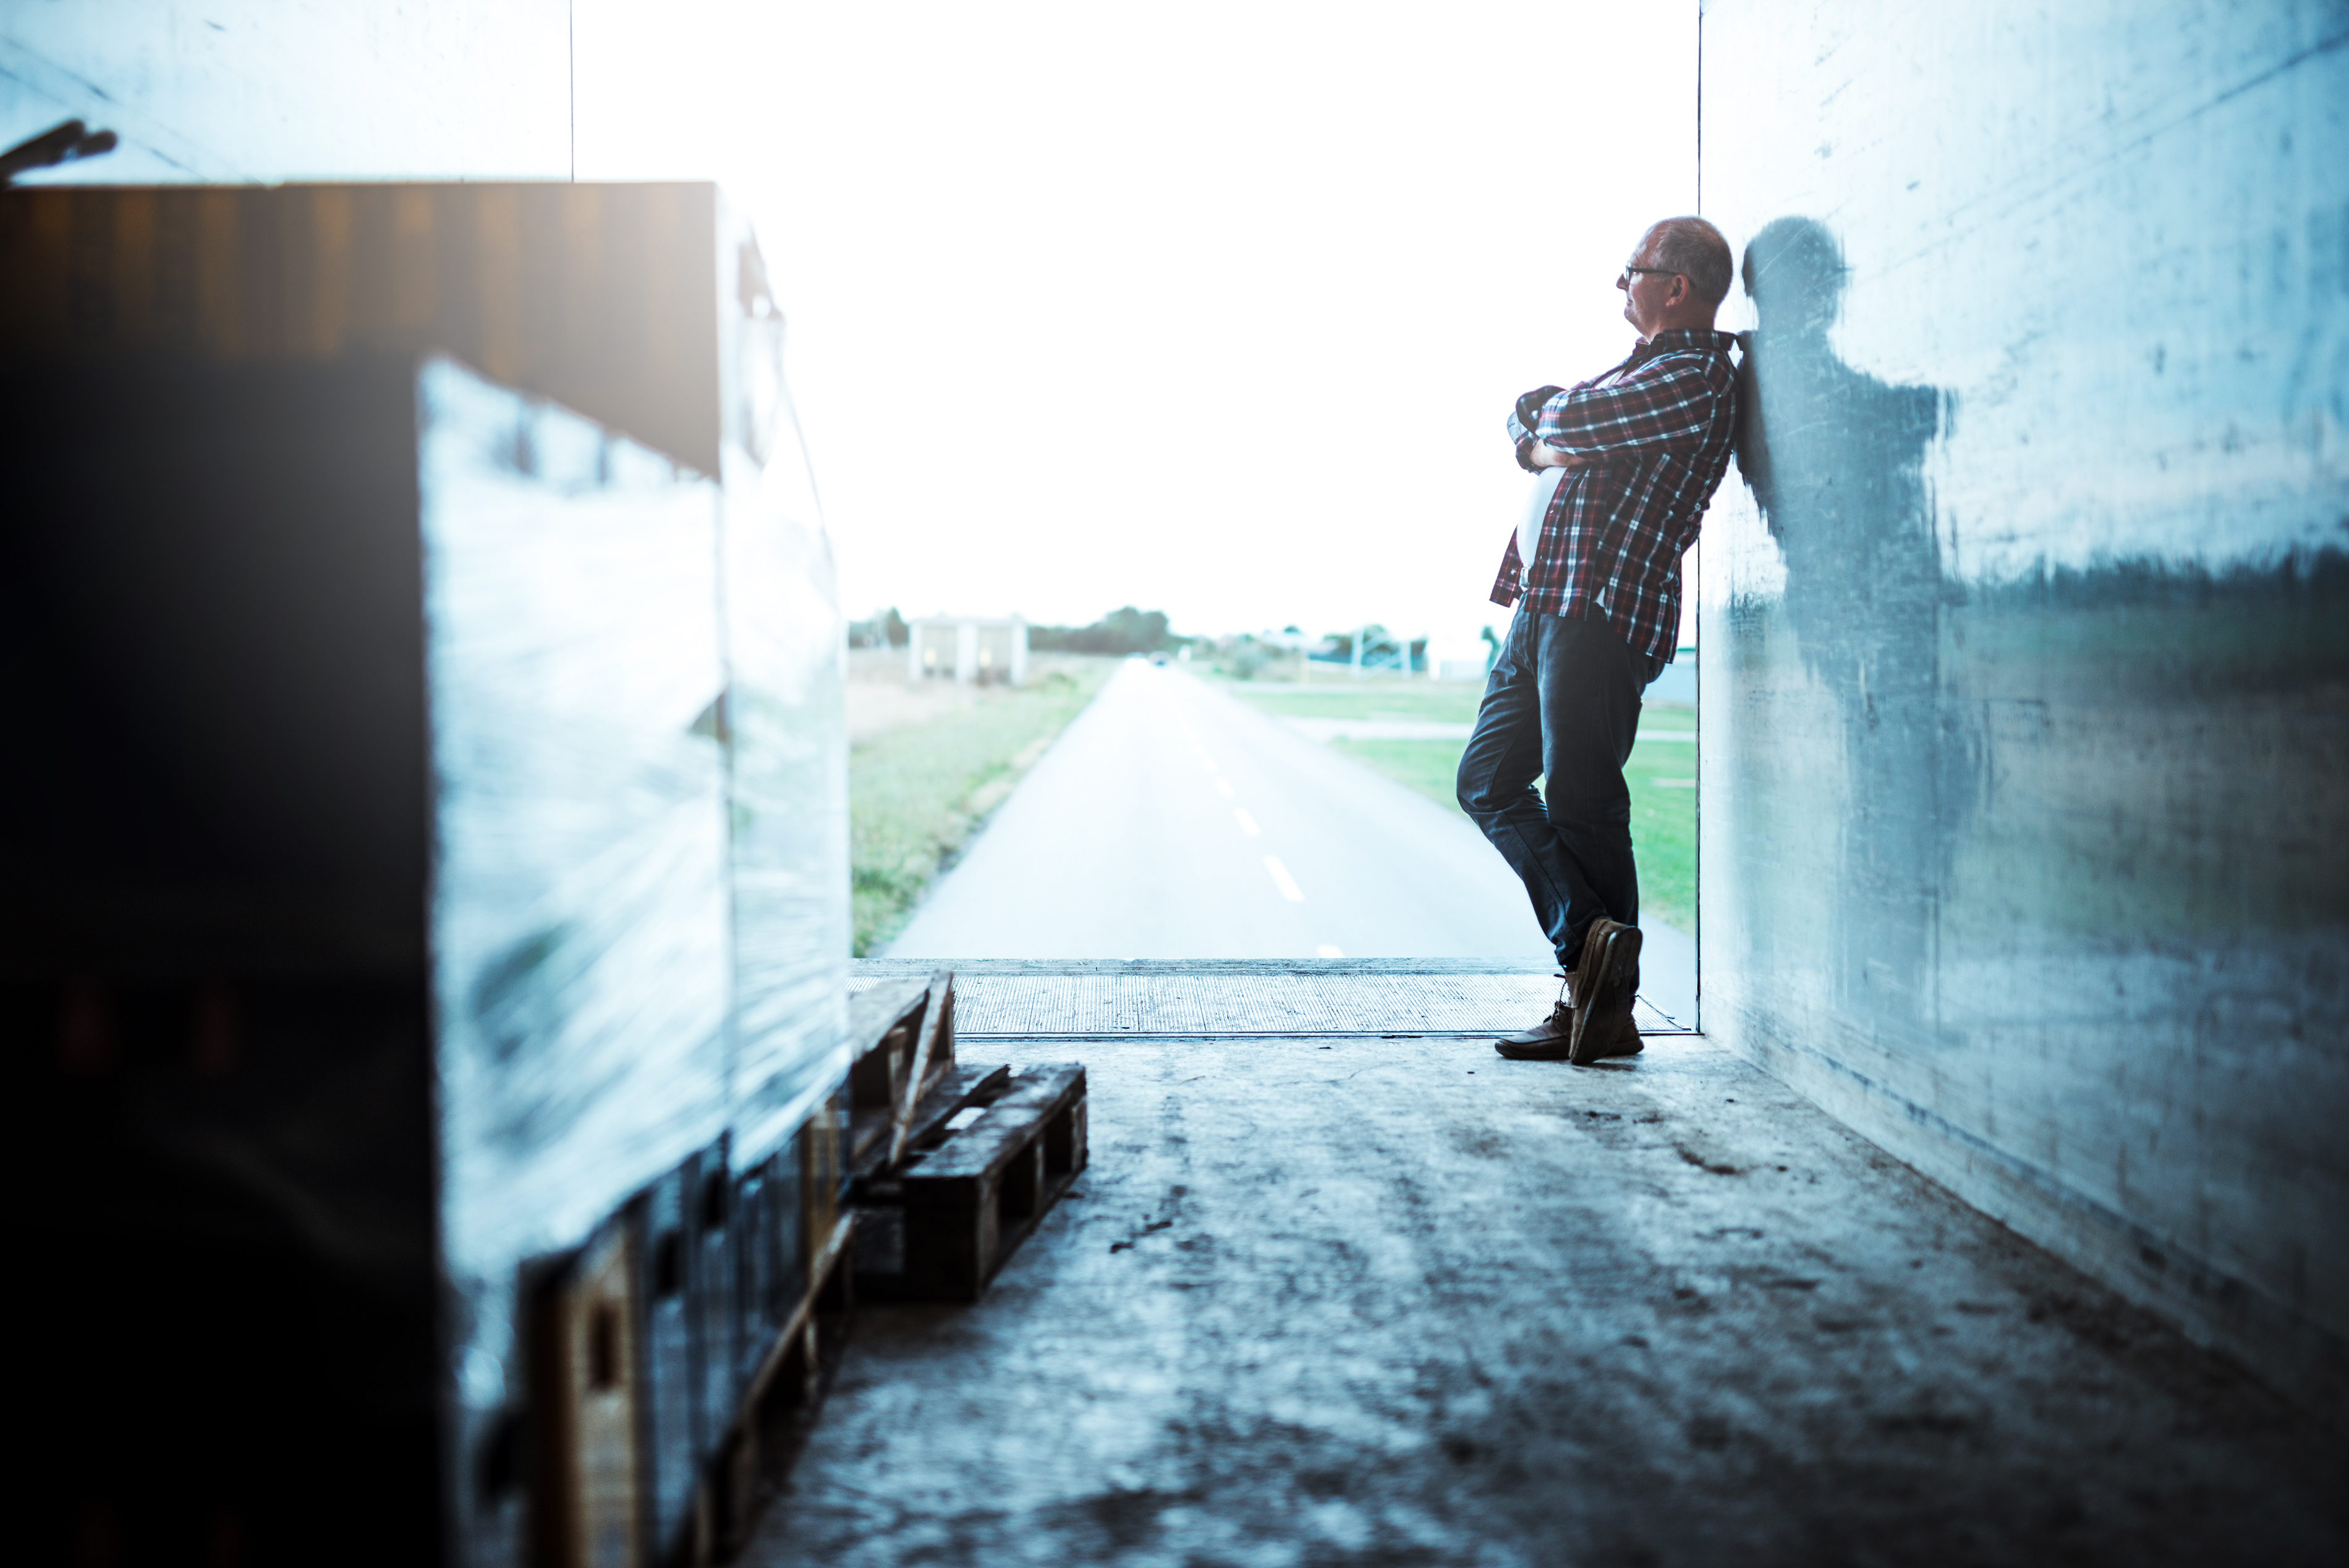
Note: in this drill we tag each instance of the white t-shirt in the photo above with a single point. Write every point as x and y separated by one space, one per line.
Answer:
1529 526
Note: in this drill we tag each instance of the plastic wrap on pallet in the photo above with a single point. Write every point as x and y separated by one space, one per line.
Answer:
578 900
790 818
715 1289
771 1228
789 724
666 1356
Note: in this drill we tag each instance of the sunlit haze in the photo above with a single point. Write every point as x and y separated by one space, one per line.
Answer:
1215 308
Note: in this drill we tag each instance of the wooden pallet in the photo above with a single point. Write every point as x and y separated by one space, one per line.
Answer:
989 1152
610 1398
585 1382
903 1034
754 1457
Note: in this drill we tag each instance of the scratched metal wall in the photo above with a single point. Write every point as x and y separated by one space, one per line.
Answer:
2026 623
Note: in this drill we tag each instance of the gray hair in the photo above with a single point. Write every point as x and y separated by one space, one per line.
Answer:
1695 248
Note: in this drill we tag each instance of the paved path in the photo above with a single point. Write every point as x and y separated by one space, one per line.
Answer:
1172 821
1399 1302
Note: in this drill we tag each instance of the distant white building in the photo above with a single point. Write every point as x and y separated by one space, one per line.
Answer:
1458 653
970 648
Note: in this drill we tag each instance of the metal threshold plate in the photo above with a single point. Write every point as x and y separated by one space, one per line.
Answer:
1026 999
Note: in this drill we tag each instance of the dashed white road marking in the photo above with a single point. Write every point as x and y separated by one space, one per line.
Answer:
1326 950
1225 786
1246 822
1283 880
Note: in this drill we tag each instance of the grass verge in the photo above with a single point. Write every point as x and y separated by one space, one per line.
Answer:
1661 773
917 791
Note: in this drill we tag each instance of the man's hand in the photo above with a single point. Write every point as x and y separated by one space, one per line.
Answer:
1547 457
1529 406
1523 418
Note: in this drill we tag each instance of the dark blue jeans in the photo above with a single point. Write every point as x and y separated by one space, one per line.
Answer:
1563 700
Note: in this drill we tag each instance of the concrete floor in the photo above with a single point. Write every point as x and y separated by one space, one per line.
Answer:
1396 1301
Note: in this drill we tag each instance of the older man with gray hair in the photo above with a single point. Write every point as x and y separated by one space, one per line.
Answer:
1624 464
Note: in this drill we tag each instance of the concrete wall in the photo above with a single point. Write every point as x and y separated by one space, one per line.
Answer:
2026 624
234 90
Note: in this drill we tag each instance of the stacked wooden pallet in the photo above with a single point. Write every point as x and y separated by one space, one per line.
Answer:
953 1164
681 1353
686 1345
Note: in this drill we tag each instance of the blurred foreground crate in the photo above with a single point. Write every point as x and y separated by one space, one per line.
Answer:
416 898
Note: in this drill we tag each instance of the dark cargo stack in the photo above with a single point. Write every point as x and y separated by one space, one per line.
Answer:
424 864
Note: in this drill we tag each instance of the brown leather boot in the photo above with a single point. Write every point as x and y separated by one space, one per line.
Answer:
1602 1042
1551 1041
1605 981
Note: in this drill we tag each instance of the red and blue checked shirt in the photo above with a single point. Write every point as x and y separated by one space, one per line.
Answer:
1661 424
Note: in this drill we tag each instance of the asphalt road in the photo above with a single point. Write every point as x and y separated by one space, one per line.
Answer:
1172 821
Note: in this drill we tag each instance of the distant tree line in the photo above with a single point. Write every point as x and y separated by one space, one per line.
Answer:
1121 632
883 629
1125 631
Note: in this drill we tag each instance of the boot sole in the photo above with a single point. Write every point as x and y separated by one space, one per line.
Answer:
1533 1053
1624 1042
1594 1021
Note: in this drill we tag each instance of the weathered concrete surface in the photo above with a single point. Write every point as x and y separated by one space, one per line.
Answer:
2025 782
1398 1301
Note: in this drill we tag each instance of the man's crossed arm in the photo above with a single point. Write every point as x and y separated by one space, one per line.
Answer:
1547 457
1668 408
1535 455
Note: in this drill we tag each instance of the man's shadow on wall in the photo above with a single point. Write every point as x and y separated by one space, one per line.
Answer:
1835 459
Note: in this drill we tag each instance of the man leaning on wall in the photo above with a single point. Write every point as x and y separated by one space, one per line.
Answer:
1624 464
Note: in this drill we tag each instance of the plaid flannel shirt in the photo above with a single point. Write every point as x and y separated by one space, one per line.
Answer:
1661 424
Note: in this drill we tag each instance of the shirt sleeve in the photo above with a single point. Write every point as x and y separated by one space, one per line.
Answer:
1504 586
1522 415
1667 404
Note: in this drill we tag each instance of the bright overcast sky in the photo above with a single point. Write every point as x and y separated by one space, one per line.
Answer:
1213 308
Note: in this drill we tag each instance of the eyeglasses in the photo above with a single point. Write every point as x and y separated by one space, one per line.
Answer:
1623 278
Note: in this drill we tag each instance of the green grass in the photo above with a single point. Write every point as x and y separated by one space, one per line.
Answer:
1663 817
917 793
